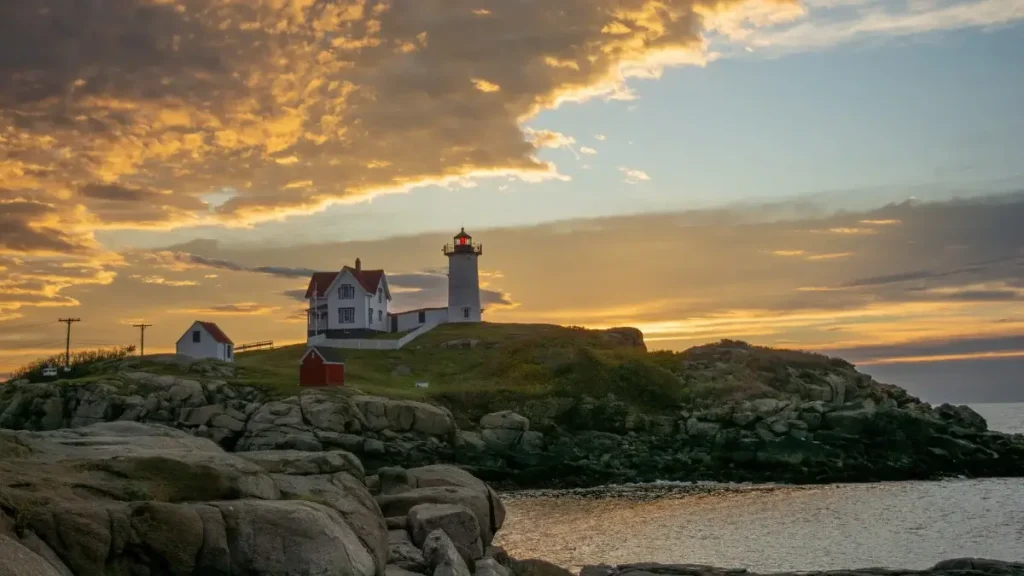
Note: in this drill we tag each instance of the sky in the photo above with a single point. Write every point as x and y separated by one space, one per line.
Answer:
843 176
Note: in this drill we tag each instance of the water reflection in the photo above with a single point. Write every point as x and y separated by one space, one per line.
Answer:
903 525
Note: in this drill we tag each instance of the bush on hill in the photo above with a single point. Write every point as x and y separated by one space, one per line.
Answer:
80 362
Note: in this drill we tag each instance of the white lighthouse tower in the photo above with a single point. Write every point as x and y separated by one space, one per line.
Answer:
463 278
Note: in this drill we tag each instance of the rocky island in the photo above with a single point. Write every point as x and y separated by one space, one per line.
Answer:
542 407
166 465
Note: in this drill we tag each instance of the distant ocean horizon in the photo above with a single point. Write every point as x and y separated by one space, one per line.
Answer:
1002 416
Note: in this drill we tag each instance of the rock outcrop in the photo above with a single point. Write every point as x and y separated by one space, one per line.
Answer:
129 498
833 424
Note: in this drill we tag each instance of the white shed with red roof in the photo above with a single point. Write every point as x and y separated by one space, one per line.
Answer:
206 340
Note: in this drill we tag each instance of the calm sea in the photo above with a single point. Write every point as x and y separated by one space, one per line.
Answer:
898 525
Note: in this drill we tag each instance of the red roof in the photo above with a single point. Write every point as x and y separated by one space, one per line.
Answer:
216 332
322 281
368 279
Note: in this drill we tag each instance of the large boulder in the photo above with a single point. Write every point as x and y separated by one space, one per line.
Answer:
128 498
403 553
279 425
293 538
153 460
458 522
16 560
503 429
441 484
443 558
300 463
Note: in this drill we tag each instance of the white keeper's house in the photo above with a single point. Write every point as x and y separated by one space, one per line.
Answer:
355 303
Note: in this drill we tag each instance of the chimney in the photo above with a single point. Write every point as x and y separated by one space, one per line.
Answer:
359 265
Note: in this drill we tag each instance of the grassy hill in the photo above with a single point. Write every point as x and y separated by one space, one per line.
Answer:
511 364
523 357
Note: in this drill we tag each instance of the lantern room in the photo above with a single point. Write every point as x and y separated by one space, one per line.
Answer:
463 244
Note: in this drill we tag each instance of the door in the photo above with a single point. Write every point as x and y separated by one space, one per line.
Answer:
394 323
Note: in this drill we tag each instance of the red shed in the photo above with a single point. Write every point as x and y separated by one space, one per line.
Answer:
321 366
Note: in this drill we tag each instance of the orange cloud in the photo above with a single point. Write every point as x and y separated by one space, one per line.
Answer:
945 357
239 309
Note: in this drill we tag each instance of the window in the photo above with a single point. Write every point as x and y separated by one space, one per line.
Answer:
465 312
369 318
347 315
380 315
195 336
346 291
422 317
380 295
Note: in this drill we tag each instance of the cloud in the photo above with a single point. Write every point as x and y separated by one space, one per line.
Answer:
830 256
600 137
131 114
162 281
634 176
848 230
427 289
829 25
299 294
185 261
587 150
239 309
788 253
30 227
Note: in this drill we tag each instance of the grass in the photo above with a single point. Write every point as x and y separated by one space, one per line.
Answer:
506 355
512 364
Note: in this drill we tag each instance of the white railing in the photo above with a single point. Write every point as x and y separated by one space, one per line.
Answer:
370 343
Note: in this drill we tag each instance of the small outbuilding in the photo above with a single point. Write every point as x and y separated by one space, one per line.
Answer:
206 340
321 366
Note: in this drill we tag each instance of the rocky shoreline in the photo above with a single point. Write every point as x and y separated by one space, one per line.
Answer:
836 426
955 567
125 498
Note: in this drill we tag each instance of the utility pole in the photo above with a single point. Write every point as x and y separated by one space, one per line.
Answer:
142 337
67 344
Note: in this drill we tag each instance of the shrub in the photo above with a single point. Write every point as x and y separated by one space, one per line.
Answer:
80 361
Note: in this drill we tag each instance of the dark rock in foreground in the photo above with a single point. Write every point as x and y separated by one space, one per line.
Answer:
956 567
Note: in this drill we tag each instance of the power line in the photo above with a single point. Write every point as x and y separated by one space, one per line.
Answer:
142 337
67 342
32 345
25 326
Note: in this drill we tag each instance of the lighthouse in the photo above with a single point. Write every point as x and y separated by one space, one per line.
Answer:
463 278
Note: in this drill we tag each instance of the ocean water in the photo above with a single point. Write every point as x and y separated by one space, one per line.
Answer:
1007 417
895 524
